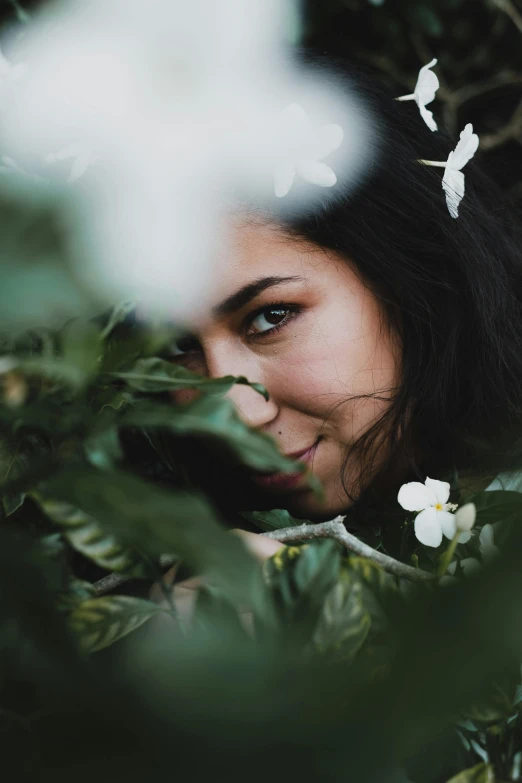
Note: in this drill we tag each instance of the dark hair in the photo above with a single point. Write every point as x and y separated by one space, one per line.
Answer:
450 288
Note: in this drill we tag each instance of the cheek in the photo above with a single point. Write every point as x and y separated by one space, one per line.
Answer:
324 369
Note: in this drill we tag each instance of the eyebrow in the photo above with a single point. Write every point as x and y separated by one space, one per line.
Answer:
240 298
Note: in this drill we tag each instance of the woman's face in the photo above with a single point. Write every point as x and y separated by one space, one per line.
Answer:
297 319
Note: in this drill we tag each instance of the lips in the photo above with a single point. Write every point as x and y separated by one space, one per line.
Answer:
284 481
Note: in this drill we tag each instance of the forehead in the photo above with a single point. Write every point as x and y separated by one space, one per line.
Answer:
257 248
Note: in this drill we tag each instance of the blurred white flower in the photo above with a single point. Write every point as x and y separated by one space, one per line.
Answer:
453 181
303 146
82 157
424 93
465 518
178 103
10 74
434 519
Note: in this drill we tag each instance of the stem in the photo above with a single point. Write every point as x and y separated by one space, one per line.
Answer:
433 163
448 555
336 530
406 98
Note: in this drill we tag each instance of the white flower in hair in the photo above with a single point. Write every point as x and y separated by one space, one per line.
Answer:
453 181
424 93
303 147
434 519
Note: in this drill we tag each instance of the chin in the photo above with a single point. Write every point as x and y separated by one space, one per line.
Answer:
307 506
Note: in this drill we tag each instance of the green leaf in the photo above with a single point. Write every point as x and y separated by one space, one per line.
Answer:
157 375
481 773
276 519
81 346
103 448
375 577
89 537
136 516
300 579
216 418
496 506
100 622
119 313
344 622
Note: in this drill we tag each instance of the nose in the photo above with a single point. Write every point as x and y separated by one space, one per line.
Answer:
251 406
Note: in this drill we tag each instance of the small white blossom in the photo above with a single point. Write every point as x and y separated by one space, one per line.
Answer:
453 181
303 146
465 517
434 519
424 93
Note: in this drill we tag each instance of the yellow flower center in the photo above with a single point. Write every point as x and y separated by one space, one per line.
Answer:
439 506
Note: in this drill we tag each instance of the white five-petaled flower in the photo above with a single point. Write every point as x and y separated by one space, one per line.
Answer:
453 181
434 519
424 93
303 147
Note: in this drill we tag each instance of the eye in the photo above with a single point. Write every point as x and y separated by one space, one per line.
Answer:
183 346
269 319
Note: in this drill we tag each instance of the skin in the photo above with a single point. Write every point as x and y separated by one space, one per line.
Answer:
330 344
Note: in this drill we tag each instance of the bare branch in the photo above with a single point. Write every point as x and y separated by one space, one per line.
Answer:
513 130
336 530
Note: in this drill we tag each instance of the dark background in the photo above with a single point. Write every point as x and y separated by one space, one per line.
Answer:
478 44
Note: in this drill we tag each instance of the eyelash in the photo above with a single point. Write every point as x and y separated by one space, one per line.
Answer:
292 312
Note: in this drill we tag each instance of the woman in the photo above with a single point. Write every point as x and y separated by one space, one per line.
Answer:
388 334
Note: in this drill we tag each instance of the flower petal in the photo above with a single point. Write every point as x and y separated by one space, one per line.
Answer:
465 517
415 496
283 180
447 522
317 173
427 528
465 149
427 116
454 187
448 525
329 138
441 489
427 84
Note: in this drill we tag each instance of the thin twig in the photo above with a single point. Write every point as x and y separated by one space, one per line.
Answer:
336 530
111 581
513 130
